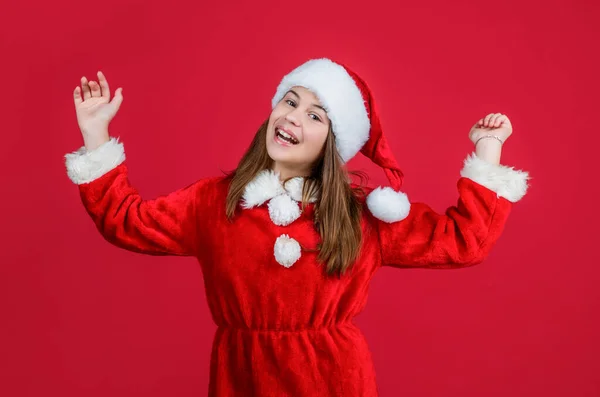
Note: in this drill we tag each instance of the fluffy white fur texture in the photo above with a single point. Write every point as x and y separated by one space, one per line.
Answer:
283 210
267 185
505 181
294 189
388 205
339 95
287 250
263 187
84 166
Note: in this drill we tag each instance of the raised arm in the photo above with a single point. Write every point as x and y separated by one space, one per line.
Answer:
165 225
466 232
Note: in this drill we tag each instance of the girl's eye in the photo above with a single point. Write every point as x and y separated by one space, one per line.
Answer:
292 103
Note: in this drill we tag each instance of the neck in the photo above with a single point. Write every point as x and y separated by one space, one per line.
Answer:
286 171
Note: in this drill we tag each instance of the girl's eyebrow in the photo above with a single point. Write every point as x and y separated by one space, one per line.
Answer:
313 104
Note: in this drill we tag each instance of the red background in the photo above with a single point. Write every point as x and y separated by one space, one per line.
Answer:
80 317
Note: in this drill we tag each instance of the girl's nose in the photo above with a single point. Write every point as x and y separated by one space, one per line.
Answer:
292 118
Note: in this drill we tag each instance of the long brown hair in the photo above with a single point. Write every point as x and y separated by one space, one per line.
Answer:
337 209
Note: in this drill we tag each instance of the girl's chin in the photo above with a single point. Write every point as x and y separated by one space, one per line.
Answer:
283 155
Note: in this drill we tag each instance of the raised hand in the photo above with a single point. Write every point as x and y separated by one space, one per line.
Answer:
95 110
492 124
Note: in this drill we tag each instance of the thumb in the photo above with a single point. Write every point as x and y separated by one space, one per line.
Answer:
117 99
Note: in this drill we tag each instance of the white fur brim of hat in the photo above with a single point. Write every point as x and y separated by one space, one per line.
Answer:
339 95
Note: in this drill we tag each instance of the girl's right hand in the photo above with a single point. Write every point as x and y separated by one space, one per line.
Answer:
95 110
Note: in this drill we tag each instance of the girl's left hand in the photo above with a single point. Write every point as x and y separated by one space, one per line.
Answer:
492 124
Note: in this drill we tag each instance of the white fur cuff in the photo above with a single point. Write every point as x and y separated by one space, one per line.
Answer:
84 166
505 181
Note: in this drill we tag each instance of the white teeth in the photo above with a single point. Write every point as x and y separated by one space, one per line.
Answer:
286 135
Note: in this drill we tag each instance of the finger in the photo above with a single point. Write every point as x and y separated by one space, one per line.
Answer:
499 120
479 123
87 94
77 96
117 100
486 121
493 120
105 89
96 93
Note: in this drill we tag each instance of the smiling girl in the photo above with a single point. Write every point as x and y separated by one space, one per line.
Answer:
286 242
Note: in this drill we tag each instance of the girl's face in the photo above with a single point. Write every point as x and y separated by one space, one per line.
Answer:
296 132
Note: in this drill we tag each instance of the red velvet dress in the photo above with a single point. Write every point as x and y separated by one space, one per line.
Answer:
288 331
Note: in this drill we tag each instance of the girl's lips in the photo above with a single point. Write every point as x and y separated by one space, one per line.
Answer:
278 127
281 141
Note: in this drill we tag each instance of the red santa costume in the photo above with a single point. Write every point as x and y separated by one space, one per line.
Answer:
285 328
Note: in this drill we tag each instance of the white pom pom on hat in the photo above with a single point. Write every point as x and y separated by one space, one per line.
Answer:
355 124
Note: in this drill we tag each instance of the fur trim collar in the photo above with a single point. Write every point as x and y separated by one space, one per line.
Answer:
267 185
283 209
283 200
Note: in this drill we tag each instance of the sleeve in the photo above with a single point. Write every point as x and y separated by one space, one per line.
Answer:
166 225
466 232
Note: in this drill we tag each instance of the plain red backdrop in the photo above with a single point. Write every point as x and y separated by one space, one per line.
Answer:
80 317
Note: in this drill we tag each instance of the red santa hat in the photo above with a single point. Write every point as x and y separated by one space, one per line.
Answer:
351 109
